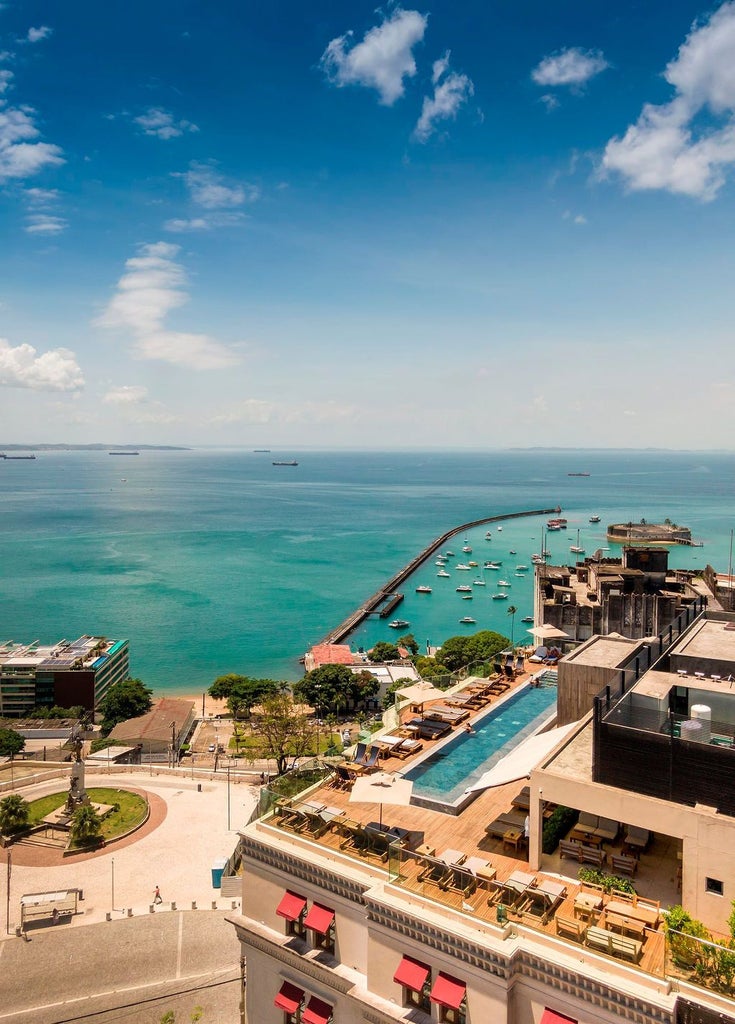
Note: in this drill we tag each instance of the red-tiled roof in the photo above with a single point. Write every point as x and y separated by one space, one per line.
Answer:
332 654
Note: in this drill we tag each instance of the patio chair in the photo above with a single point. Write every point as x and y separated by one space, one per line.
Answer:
314 823
435 871
407 747
288 816
371 758
539 655
520 665
344 778
360 752
354 837
460 880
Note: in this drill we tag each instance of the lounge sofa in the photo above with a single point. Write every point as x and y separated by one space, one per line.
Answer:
594 825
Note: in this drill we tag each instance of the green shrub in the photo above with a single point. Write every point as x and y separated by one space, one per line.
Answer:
606 881
557 826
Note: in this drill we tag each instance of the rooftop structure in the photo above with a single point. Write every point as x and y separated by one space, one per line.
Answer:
65 674
391 912
161 730
635 596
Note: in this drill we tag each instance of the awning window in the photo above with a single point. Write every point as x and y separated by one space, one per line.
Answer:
412 974
319 918
317 1012
447 991
552 1017
289 998
291 906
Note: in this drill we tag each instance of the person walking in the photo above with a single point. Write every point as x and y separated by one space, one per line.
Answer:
157 898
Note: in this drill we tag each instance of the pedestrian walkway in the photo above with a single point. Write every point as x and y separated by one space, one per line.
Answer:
188 832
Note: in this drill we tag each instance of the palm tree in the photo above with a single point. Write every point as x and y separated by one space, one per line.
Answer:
86 824
512 612
13 813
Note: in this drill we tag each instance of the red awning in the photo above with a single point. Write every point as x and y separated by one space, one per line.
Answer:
289 998
319 918
317 1012
447 991
411 974
291 906
552 1017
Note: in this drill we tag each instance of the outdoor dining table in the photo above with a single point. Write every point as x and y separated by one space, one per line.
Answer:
639 911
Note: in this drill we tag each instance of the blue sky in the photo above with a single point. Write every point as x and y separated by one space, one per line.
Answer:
473 224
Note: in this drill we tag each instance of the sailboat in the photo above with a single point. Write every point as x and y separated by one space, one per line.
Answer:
576 547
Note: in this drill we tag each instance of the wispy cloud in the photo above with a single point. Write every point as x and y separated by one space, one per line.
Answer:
21 154
211 190
35 35
127 394
135 405
451 90
572 66
152 287
6 77
45 224
161 124
664 149
381 60
22 367
180 225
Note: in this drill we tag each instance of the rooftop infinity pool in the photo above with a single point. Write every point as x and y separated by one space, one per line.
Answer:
442 777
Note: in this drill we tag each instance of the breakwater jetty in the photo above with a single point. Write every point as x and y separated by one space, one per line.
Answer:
389 592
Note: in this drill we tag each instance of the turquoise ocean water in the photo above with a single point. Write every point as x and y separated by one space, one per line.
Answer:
216 561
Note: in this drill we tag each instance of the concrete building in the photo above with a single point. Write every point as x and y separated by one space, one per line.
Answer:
635 596
65 674
162 730
339 929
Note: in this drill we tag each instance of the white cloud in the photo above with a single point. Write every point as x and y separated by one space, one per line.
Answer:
451 90
160 123
664 149
45 224
572 66
38 197
35 35
55 370
580 219
5 80
381 60
20 157
549 100
208 188
178 225
127 394
151 288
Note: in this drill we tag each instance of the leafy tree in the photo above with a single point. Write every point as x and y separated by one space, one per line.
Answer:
332 687
282 731
242 693
459 651
364 686
11 742
383 651
13 813
86 824
128 699
429 668
409 642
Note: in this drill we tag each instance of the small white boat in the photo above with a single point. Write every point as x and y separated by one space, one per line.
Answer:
500 529
521 574
464 589
594 519
462 567
443 572
468 620
399 624
512 552
423 590
449 554
503 583
527 618
466 597
479 583
521 568
467 549
488 536
491 565
500 597
577 549
472 565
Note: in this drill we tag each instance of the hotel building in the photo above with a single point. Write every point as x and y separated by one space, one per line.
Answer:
457 917
64 674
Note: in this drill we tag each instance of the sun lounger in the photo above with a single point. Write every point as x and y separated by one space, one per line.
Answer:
435 872
501 824
523 800
407 747
430 730
442 713
354 837
539 904
459 880
539 655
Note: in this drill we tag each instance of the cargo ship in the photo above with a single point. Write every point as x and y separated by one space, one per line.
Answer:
291 462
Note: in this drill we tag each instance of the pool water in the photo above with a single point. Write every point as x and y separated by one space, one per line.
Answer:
445 775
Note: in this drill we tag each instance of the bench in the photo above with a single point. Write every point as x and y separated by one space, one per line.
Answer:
624 865
570 928
593 855
570 849
615 945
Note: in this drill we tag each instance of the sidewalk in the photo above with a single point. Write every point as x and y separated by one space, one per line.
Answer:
177 855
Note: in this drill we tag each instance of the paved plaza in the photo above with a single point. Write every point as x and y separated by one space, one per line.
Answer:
187 832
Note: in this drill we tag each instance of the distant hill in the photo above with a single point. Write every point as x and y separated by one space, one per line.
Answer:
93 447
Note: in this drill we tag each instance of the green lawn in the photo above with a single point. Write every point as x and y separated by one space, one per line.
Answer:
249 745
132 809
